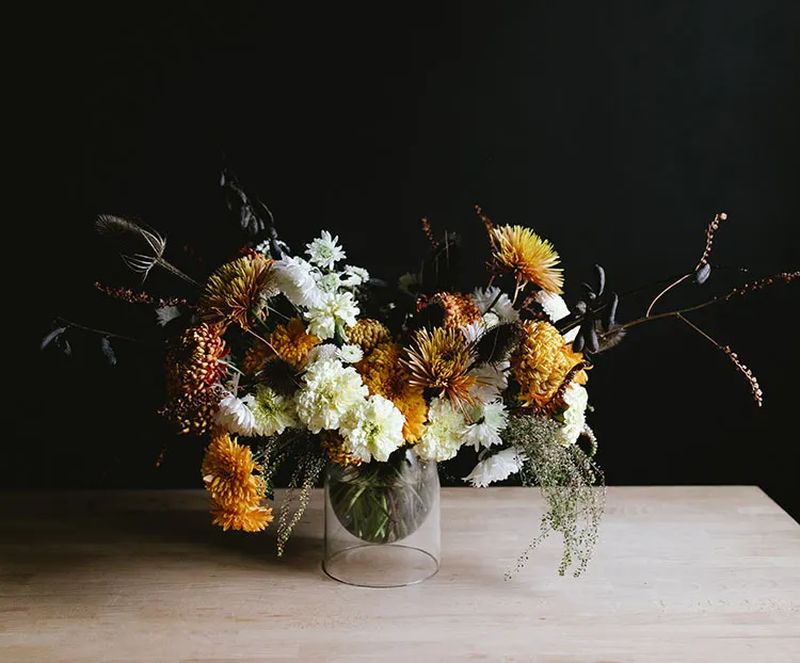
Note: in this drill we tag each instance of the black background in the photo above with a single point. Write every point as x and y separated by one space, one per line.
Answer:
615 130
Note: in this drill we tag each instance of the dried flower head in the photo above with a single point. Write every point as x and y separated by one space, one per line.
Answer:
541 363
529 257
440 360
237 289
193 370
459 309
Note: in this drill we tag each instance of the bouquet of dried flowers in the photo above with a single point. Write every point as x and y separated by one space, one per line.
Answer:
306 361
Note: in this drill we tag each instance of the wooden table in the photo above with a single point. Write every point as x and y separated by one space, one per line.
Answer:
681 574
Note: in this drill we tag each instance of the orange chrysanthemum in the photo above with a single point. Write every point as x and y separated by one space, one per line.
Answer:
292 342
249 519
230 473
440 360
385 375
193 370
542 361
235 485
529 257
459 309
236 290
367 334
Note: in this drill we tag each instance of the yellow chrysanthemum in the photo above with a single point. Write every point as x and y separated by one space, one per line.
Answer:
236 290
292 342
385 375
253 518
231 475
440 360
334 446
367 333
542 361
529 257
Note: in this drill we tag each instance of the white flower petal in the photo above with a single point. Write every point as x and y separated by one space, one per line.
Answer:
496 467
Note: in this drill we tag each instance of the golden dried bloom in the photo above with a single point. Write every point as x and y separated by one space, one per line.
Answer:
230 473
542 361
459 309
335 447
292 343
529 257
367 333
252 518
440 360
237 289
385 375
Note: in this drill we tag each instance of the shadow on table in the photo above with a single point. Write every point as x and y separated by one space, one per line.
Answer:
77 543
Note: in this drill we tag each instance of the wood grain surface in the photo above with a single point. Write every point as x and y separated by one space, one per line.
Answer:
681 574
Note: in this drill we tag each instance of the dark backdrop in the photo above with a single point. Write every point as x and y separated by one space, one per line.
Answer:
616 130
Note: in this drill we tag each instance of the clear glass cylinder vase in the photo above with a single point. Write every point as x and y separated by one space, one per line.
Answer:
382 522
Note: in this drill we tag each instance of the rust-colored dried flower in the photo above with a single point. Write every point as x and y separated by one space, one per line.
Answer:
236 290
440 360
530 258
542 361
194 369
459 309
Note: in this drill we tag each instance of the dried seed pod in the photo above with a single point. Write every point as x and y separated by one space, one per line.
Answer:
580 307
601 279
610 318
592 341
578 343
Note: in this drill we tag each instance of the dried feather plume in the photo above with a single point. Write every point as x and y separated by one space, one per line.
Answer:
141 249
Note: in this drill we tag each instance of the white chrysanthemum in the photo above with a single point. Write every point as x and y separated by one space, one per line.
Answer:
443 433
322 352
354 276
272 412
555 308
577 398
166 314
485 298
350 353
325 251
329 282
337 308
488 420
295 279
473 331
496 467
263 248
329 390
235 416
491 381
373 429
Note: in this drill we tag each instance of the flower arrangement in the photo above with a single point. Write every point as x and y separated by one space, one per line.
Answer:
305 361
